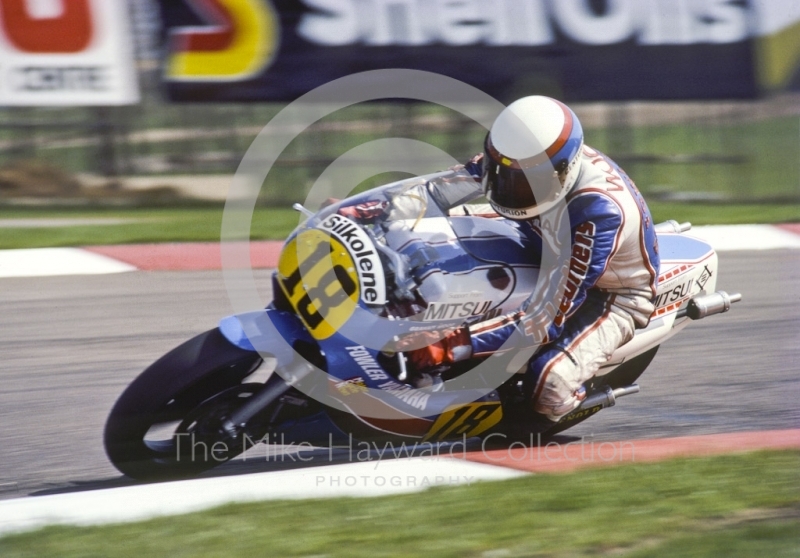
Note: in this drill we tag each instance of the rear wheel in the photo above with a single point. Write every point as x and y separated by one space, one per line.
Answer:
175 401
622 376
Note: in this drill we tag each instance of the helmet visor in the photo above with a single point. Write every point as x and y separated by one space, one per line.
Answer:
517 192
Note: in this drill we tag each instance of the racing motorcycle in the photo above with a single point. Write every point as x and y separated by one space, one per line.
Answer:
324 364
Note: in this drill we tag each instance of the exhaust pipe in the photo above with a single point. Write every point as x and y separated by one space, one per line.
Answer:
609 397
707 305
672 226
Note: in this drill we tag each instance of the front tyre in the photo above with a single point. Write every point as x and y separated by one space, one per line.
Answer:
140 431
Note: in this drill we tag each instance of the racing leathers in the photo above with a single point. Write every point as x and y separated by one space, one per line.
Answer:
609 289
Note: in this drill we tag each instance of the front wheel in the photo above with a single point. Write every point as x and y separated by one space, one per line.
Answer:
168 398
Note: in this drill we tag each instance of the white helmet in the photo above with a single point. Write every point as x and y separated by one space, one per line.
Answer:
532 155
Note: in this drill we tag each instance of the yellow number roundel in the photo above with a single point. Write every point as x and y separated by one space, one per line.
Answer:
318 276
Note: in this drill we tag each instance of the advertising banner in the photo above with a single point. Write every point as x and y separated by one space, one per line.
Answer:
66 52
778 44
577 50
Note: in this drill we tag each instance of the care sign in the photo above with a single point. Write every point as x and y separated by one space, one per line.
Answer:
66 52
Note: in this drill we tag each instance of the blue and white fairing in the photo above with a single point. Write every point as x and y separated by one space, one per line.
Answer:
434 272
406 267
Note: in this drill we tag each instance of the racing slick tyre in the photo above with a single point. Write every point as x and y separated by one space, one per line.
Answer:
140 434
622 376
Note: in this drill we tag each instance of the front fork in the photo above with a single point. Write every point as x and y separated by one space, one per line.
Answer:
235 424
272 333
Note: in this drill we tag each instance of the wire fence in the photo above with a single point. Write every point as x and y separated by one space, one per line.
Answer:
743 151
725 152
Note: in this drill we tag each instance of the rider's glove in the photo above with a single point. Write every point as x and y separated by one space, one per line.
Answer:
454 347
367 211
475 166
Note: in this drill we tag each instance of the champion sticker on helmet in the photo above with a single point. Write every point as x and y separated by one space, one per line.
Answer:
515 213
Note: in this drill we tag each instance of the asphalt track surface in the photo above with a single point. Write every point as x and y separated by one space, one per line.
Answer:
70 345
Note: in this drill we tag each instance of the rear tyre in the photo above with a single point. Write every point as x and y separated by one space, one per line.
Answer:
622 376
139 434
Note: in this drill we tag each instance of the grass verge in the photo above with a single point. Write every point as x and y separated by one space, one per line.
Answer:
145 225
735 505
197 224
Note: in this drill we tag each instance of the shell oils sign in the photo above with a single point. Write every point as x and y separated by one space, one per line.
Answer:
278 50
237 41
66 52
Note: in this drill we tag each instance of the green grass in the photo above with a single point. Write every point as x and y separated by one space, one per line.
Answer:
151 225
767 154
735 505
725 214
775 539
196 224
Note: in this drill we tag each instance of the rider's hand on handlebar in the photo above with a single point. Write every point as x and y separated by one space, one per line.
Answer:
427 349
475 166
366 211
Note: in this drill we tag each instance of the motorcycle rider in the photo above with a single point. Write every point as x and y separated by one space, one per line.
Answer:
535 162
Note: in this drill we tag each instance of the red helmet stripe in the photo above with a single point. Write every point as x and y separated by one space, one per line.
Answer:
565 132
